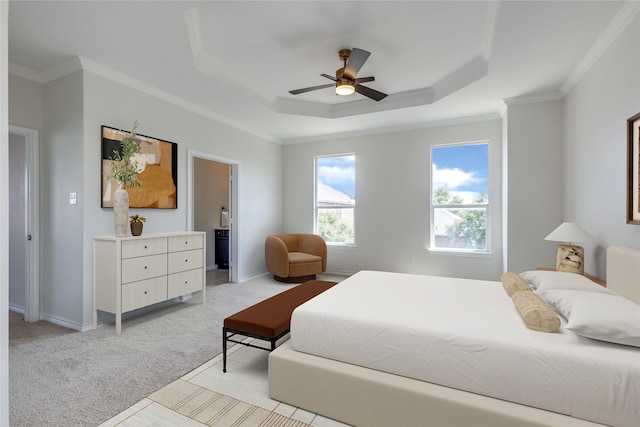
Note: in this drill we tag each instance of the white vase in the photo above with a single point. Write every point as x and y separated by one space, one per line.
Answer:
121 211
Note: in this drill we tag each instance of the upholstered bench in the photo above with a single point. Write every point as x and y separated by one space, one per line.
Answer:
269 320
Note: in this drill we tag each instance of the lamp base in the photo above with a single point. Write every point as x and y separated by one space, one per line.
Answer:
570 259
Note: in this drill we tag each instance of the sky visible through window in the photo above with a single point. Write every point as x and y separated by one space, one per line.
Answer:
338 172
461 169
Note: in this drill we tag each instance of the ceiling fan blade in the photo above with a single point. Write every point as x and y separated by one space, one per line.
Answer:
356 60
365 79
329 77
370 93
309 89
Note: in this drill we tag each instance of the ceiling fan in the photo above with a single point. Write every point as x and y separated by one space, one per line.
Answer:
345 80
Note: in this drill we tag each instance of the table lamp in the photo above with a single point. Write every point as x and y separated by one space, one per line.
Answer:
569 257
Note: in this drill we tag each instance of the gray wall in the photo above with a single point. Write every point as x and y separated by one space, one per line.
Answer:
260 165
534 183
62 296
392 200
68 112
596 113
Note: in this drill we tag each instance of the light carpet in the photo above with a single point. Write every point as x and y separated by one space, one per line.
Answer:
68 378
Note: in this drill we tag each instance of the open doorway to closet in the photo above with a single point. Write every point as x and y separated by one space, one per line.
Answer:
24 232
213 210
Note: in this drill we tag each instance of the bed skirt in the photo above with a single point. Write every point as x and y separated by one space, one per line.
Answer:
365 397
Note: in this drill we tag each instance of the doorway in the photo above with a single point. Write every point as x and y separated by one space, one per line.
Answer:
212 182
24 233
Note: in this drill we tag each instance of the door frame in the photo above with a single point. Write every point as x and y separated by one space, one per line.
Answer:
32 141
233 221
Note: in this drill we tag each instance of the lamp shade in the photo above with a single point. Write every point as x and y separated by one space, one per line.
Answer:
569 232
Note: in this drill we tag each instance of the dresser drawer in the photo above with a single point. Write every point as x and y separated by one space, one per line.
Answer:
134 269
185 243
184 283
185 260
143 293
144 247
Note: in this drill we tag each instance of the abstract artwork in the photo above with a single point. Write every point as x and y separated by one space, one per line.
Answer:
157 167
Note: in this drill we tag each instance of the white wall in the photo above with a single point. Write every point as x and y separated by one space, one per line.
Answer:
4 214
596 111
62 294
26 103
259 162
392 200
69 112
534 180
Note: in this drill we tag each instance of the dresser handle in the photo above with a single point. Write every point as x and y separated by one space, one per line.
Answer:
186 281
145 267
145 292
186 260
145 246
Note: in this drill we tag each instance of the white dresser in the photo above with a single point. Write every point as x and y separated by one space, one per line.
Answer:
134 272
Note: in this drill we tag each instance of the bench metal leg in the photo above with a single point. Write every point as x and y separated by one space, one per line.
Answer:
224 349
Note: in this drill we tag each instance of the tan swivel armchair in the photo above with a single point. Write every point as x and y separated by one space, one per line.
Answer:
295 258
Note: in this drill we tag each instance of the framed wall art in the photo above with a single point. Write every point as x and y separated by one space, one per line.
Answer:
633 170
158 168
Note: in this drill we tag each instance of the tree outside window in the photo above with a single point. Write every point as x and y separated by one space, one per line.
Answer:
335 198
460 197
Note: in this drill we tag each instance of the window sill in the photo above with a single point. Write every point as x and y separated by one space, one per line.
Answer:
461 253
342 245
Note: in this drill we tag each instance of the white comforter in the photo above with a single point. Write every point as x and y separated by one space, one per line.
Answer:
467 334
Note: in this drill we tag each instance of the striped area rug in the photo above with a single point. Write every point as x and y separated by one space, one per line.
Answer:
215 409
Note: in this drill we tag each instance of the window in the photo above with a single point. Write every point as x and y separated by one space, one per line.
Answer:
460 197
335 198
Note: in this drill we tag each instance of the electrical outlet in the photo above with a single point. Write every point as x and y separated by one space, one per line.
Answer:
73 198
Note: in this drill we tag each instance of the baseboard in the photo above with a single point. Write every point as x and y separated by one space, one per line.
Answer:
253 277
63 322
16 309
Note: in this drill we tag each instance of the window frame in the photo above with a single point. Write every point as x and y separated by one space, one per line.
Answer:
316 206
487 251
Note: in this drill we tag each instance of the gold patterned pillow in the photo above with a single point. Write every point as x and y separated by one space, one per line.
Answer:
513 283
535 312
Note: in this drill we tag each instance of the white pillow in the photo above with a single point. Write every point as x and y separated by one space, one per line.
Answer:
604 317
541 280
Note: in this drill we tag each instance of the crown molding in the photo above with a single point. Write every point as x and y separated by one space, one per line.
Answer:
615 28
532 98
118 77
397 129
25 73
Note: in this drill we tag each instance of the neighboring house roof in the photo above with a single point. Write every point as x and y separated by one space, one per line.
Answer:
331 196
442 218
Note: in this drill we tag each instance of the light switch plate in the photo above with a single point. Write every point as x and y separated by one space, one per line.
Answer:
73 198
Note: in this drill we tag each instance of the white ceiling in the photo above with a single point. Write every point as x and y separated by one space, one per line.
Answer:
439 61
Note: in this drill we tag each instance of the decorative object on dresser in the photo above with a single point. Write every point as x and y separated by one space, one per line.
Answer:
569 257
136 222
131 272
124 170
633 170
156 167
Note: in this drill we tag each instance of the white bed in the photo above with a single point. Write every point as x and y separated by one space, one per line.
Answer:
423 350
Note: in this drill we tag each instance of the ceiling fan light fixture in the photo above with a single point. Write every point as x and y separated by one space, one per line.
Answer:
344 88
